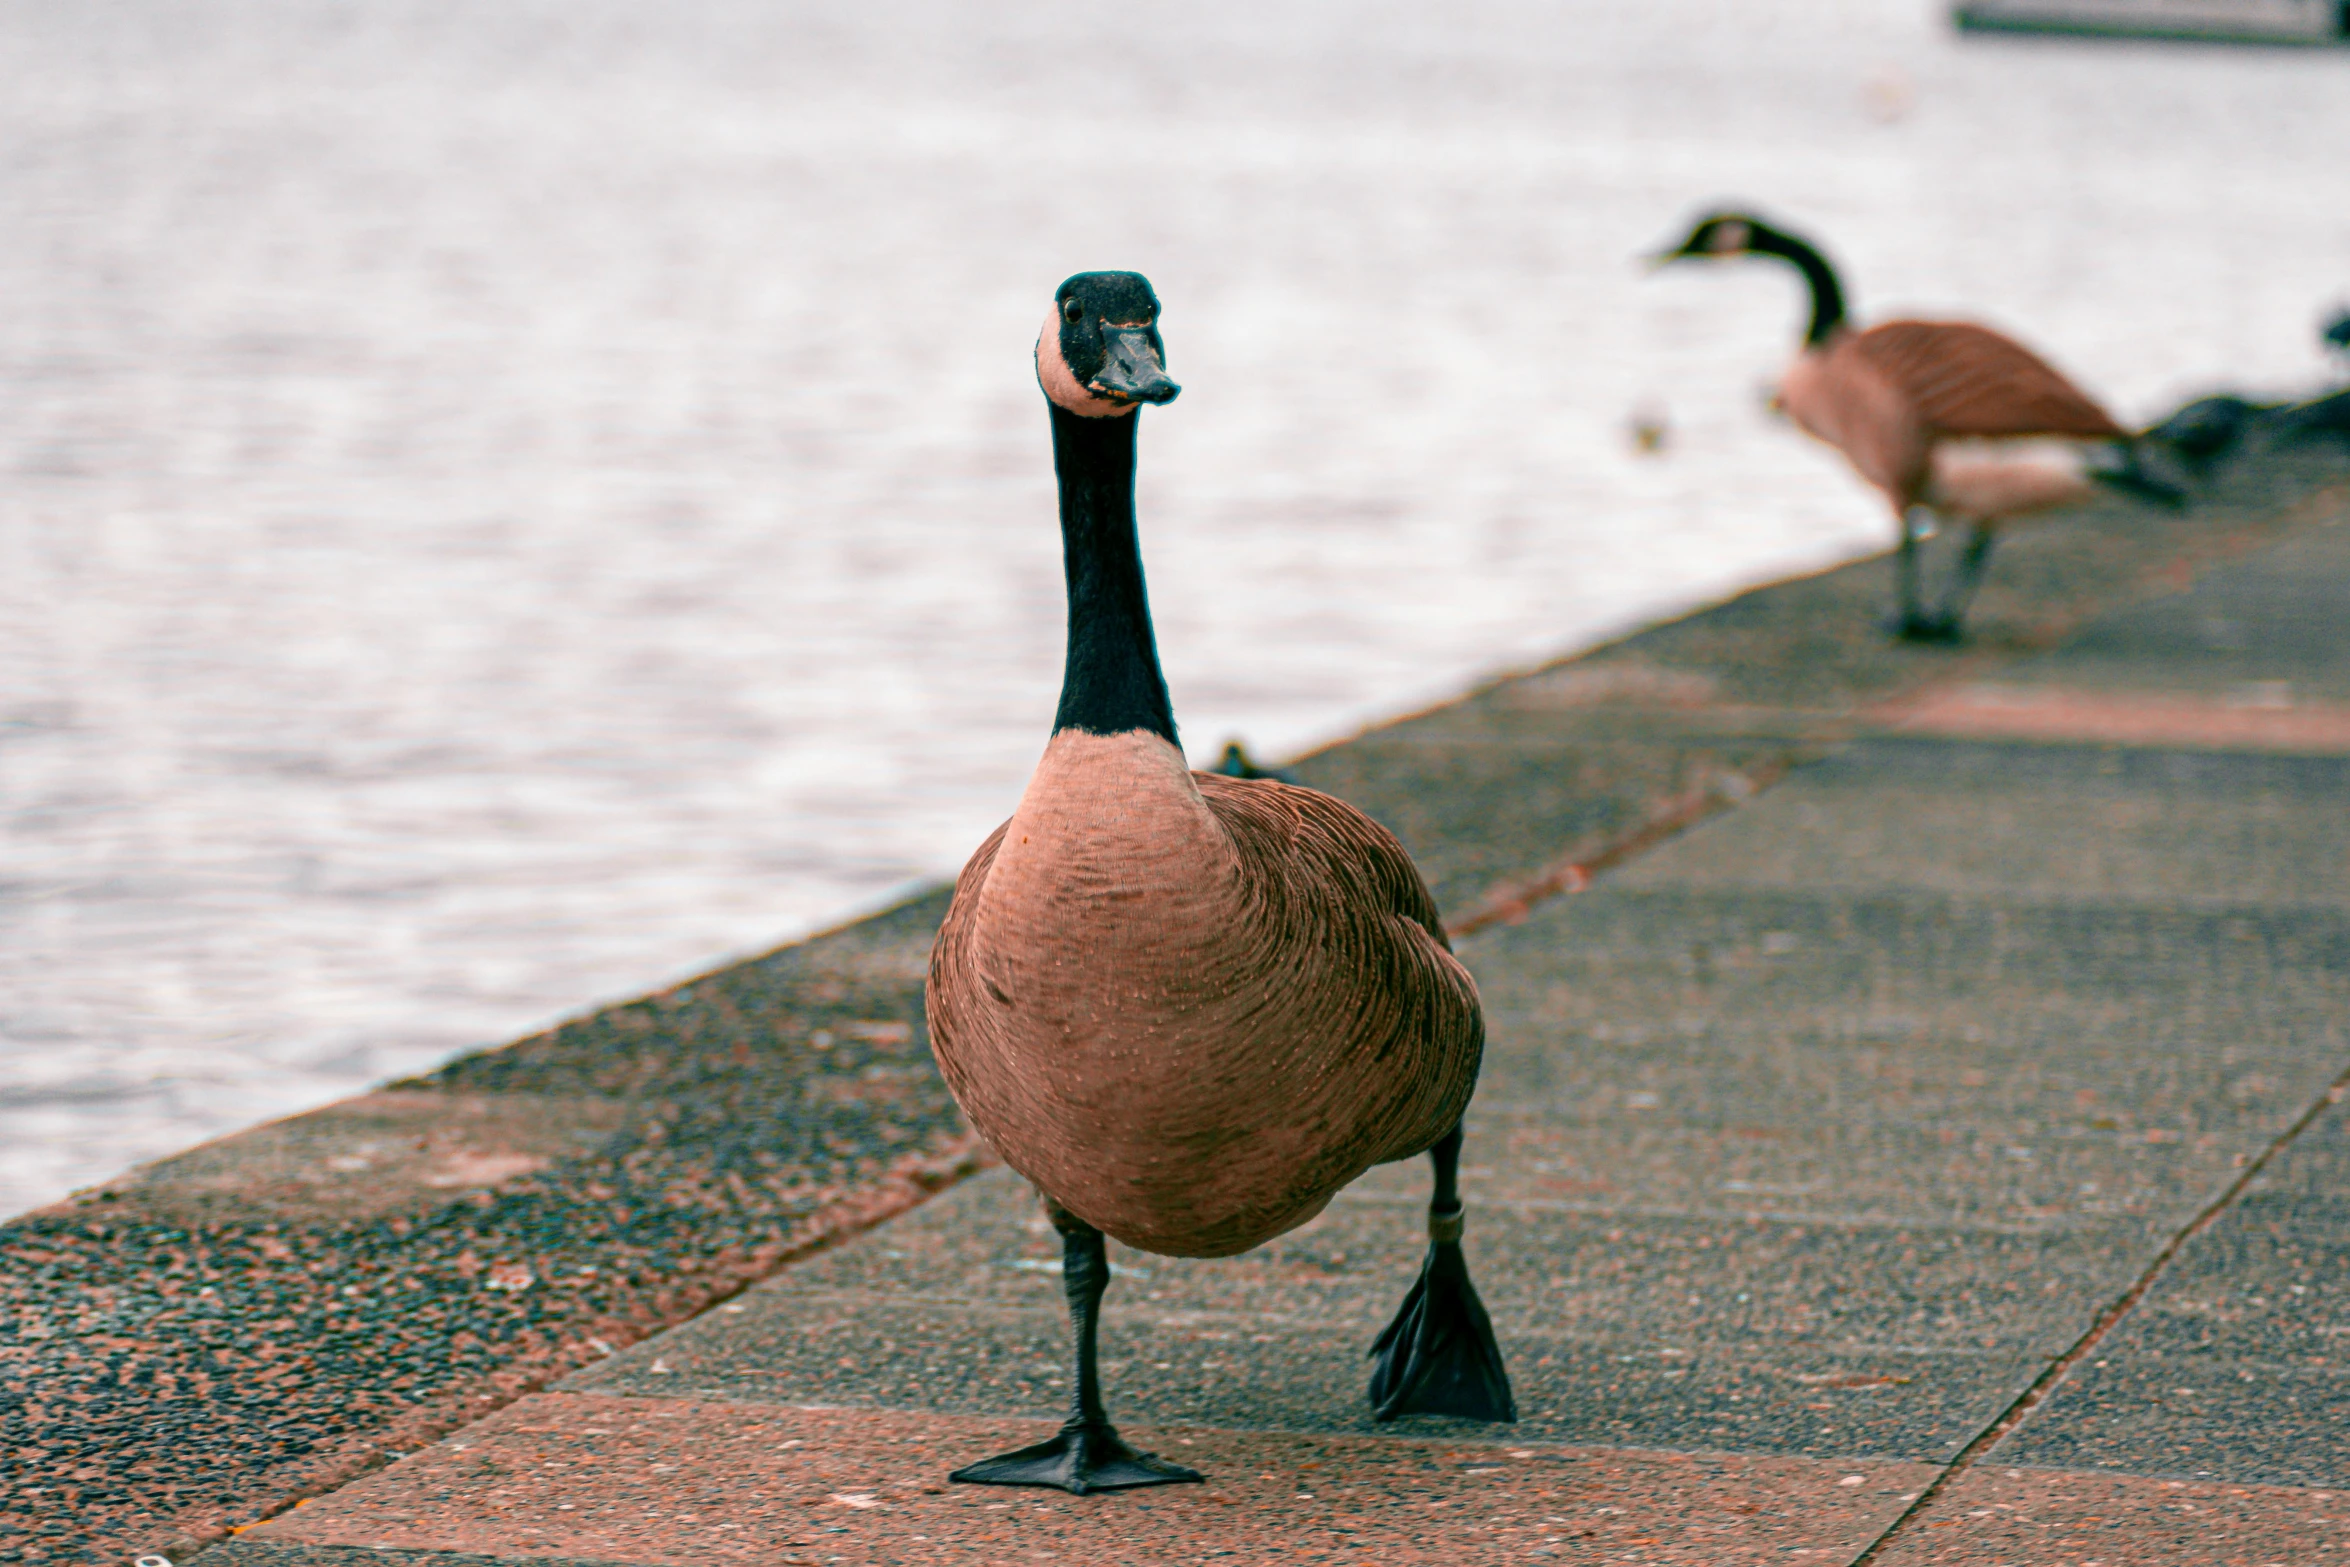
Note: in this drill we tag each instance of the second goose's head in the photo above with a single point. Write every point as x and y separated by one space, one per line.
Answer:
1722 234
1100 354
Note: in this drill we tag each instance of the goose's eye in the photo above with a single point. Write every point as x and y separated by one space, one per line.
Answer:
1071 310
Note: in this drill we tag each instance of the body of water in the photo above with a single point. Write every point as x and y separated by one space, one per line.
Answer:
504 505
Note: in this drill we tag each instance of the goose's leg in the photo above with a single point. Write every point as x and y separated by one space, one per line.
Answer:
1966 577
1911 623
1438 1356
1086 1455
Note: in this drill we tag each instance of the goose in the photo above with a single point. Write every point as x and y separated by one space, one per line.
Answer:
1189 1008
1930 412
1237 763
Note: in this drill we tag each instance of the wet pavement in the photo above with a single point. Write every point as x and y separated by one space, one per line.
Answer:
1810 1140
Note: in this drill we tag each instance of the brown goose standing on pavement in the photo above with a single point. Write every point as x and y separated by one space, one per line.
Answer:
1934 414
1189 1008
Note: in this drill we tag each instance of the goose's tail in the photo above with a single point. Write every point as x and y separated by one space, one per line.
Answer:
2136 467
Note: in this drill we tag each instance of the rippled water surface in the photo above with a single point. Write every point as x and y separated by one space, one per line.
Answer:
501 505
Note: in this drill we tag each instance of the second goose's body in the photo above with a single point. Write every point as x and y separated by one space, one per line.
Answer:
1946 416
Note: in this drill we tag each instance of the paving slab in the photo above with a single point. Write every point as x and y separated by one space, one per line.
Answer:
670 1481
2039 823
2237 1364
2250 657
1790 1166
2267 628
2005 1516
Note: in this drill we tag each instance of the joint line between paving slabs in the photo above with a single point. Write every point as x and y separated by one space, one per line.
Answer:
1719 790
2046 1382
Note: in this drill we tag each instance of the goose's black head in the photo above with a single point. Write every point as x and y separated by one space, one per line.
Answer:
1724 234
1721 234
1100 354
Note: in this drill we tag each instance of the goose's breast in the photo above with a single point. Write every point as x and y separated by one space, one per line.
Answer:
1836 396
1113 884
1188 1030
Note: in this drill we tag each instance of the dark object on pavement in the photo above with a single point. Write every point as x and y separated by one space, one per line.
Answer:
2325 418
2211 429
2207 429
2132 471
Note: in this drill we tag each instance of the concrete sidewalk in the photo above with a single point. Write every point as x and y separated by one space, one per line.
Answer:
1809 1141
1937 1159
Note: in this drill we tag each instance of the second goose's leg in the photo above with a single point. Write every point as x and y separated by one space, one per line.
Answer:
1438 1356
1909 616
1087 1454
1967 576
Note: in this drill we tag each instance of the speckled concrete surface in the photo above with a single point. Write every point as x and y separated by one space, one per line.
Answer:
2237 1367
1813 1134
2268 629
2003 1516
278 1553
1625 1334
678 1482
199 1345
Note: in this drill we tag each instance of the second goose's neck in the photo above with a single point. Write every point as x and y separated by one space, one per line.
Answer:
1111 683
1827 297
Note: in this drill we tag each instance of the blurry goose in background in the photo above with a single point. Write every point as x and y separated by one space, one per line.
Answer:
2210 429
1935 414
2207 429
1237 763
1190 1008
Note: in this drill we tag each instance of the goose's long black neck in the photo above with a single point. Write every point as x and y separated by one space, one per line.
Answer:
1827 297
1111 682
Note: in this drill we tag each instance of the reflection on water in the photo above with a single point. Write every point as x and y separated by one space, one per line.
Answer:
505 505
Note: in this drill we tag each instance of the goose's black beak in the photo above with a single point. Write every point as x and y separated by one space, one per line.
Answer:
1131 369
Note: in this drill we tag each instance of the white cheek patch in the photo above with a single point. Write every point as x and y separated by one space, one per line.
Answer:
1060 382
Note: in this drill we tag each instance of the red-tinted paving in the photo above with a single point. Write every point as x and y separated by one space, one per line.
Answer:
685 1483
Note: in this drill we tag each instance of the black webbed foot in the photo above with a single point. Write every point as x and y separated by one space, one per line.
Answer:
1082 1457
1086 1455
1438 1356
1934 630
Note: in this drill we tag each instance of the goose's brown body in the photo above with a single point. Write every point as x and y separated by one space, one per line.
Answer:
1931 412
1191 1008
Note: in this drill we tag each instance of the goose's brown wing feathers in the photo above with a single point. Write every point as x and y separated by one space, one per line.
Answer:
1323 838
1340 885
1969 380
